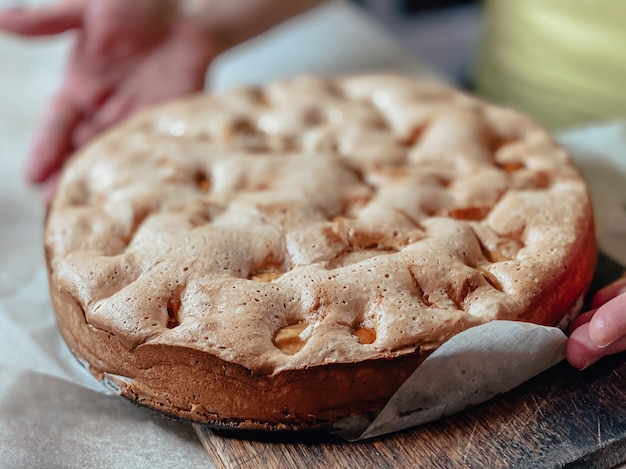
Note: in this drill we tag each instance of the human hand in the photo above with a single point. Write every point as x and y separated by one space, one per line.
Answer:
601 331
125 56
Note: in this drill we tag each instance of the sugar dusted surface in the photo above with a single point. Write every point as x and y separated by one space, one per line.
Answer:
377 202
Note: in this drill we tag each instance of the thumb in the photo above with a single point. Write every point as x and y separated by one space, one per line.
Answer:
608 324
43 21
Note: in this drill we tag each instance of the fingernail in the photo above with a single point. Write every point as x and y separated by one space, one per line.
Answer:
600 342
600 333
604 345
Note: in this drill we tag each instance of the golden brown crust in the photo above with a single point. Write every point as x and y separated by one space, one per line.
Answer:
287 255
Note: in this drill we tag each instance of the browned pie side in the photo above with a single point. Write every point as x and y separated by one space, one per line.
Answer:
199 386
285 256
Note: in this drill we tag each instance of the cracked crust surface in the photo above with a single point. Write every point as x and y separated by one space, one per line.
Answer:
310 237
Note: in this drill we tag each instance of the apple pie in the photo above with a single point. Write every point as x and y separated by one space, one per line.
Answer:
284 256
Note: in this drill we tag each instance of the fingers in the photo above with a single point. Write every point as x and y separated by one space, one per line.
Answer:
608 324
53 142
119 28
65 129
43 21
601 331
583 352
112 112
105 20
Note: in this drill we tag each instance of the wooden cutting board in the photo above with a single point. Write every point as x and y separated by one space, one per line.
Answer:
561 418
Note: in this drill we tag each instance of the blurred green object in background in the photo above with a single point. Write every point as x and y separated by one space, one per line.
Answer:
560 61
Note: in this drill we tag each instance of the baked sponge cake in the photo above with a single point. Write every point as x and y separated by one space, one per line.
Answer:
285 256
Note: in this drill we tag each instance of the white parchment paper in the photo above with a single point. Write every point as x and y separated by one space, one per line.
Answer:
468 369
47 422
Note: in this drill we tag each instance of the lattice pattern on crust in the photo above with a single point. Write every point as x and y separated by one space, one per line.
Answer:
348 218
